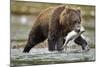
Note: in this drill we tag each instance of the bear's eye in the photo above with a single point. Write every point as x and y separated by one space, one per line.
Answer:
74 22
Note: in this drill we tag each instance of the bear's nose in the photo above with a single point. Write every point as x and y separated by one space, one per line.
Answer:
77 30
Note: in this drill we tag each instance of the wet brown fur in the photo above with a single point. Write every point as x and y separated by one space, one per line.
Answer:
53 24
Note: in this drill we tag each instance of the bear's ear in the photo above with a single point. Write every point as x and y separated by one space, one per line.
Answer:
79 10
68 8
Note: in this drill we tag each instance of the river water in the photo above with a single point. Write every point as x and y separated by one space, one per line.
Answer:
39 56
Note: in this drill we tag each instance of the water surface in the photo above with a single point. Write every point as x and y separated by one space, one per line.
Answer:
39 56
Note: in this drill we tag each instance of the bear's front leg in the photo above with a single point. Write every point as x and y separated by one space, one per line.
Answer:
51 42
59 44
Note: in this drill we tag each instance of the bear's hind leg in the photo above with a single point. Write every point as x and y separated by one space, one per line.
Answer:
35 37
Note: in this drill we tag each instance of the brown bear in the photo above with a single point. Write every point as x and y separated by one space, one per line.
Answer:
54 24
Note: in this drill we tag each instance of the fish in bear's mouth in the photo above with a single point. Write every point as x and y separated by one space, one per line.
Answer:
75 35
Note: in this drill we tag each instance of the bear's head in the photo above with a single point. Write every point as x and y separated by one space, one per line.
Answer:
70 19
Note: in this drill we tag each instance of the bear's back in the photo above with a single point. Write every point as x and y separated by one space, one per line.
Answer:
44 16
